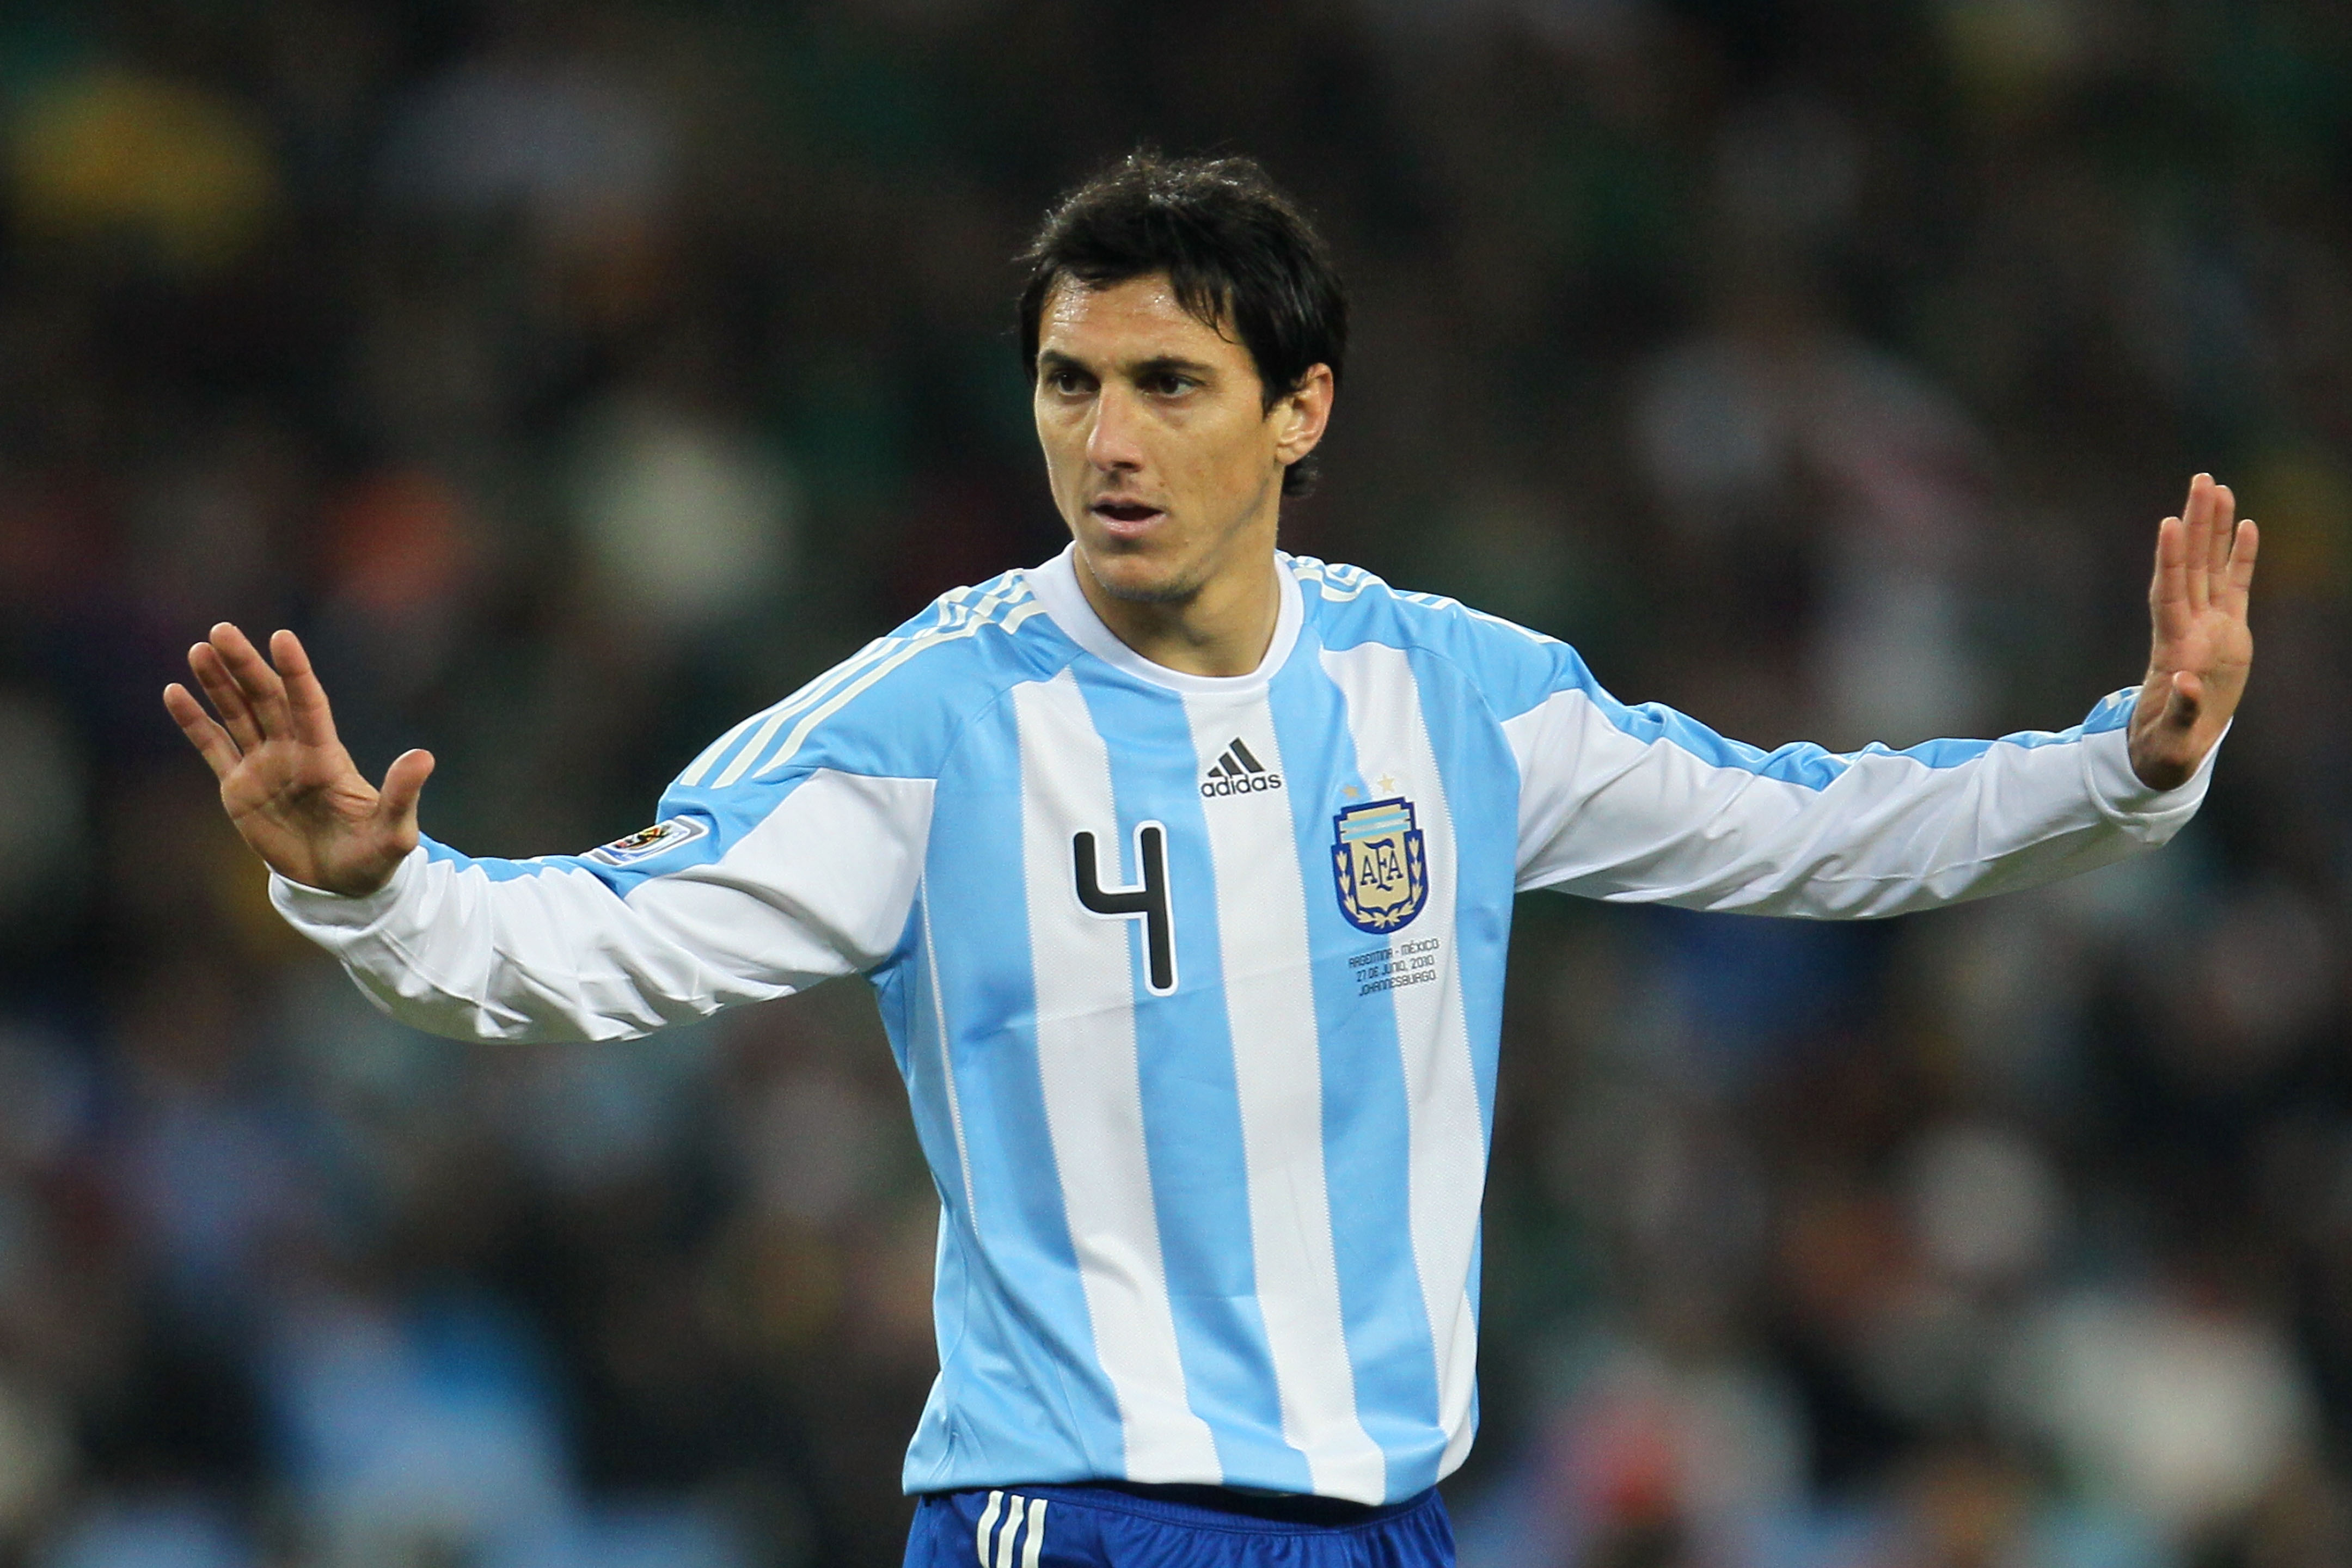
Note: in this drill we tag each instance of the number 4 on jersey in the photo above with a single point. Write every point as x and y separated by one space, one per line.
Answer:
1148 903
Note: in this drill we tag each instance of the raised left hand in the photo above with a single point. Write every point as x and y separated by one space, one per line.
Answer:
2200 648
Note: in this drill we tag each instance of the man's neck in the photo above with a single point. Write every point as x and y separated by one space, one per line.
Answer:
1222 628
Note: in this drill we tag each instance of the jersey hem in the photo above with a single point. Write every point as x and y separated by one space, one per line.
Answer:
1109 1497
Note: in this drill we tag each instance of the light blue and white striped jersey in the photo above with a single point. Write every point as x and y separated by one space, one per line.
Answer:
1195 982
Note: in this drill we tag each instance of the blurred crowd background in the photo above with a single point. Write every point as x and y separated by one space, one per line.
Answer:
578 377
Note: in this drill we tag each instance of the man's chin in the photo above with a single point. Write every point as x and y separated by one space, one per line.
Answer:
1136 581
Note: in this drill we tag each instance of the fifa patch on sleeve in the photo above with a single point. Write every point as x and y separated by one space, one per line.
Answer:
648 842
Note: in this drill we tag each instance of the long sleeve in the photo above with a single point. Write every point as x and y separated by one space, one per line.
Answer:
670 924
789 852
1643 804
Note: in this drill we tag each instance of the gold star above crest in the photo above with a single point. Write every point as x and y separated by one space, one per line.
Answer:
1386 784
1350 791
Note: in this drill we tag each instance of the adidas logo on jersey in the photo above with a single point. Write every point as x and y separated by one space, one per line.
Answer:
1238 773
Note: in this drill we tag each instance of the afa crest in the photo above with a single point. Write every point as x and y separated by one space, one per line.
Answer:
1378 861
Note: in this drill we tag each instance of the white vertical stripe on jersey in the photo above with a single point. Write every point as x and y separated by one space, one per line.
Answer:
1036 1547
1278 1076
1085 982
1447 1168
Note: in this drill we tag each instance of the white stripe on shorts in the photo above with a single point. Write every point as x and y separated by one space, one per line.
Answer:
1036 1532
988 1518
1009 1536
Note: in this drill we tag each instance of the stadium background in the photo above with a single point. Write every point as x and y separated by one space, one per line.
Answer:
578 377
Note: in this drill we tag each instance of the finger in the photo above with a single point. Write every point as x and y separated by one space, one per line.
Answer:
211 742
2238 584
2168 593
2218 532
404 781
263 690
2186 701
227 696
306 699
2196 518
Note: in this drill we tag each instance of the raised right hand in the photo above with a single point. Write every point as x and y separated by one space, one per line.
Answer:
285 780
2200 648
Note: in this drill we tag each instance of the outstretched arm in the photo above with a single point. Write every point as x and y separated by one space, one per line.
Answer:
1641 803
285 779
747 890
2199 647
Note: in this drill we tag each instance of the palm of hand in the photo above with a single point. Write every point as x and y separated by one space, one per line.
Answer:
306 810
2201 648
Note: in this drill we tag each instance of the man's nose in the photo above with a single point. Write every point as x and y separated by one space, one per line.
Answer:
1112 444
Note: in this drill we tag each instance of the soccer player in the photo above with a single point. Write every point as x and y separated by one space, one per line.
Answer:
1183 869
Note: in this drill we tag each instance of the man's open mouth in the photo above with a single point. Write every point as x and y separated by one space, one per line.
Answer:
1124 510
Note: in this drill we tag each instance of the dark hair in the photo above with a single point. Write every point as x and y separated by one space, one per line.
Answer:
1238 254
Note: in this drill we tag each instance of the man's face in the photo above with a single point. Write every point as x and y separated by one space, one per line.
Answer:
1164 459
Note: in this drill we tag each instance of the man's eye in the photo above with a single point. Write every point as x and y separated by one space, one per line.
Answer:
1066 381
1170 384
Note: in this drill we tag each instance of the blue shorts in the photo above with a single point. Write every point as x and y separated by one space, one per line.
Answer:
1099 1527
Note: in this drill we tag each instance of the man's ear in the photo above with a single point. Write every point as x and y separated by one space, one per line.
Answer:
1301 413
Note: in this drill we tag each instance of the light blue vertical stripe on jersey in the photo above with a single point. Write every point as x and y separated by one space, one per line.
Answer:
1365 1117
1200 1173
1032 1385
1472 754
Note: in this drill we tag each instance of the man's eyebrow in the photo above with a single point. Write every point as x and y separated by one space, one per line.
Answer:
1052 360
1176 364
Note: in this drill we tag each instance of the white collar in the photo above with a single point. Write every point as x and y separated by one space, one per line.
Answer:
1055 584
